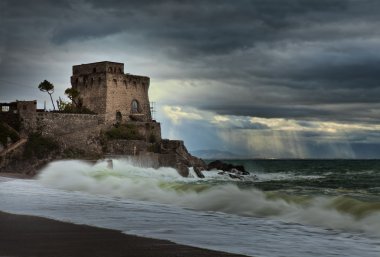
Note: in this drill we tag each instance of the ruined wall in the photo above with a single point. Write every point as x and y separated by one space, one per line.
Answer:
72 131
20 115
27 113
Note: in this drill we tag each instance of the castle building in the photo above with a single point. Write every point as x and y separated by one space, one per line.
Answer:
105 89
115 98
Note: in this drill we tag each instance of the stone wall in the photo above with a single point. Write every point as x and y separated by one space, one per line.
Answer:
27 117
72 131
122 90
126 147
93 90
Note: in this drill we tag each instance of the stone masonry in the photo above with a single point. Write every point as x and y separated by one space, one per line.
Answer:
108 91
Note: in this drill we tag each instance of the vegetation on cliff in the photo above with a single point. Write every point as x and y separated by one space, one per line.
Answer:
76 105
127 131
65 107
73 95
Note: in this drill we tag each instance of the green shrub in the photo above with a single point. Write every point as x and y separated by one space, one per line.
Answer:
65 107
5 132
128 132
40 147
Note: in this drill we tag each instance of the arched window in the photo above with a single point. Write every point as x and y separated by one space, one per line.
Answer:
94 70
99 80
120 71
109 69
114 70
92 81
135 106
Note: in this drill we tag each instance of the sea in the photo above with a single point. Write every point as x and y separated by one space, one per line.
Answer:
292 208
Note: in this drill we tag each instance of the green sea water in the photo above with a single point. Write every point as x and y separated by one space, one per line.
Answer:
355 177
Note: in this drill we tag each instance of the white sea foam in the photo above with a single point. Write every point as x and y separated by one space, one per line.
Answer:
164 185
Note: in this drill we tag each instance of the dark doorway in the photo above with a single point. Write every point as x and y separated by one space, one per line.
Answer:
119 117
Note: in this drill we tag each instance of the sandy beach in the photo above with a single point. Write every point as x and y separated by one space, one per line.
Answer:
23 236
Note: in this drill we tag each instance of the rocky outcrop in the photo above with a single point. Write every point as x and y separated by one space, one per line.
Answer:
219 165
233 171
175 154
198 170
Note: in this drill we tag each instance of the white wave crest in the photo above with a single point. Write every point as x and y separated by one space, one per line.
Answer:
164 185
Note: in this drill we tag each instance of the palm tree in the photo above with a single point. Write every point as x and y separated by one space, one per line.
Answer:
48 87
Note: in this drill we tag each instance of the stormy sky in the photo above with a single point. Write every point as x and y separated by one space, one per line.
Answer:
259 78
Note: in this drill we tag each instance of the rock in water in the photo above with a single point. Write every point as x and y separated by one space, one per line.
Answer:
219 165
198 171
183 170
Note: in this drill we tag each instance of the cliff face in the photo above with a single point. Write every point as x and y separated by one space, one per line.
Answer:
165 153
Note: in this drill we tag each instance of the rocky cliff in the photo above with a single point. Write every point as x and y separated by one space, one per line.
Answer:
78 136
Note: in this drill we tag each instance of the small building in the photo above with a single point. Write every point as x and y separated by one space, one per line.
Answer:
106 90
19 114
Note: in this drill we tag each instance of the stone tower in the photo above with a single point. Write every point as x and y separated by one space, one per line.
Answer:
106 90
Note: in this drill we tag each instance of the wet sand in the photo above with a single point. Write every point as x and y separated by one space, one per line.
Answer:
15 175
22 235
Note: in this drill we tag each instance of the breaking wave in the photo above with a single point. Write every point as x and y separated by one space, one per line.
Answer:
215 193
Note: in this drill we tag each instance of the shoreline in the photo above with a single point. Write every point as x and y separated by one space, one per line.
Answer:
16 175
27 236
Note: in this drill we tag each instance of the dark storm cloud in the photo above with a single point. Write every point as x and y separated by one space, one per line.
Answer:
309 59
209 27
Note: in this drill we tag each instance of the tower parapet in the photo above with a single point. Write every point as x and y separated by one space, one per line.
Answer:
98 67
